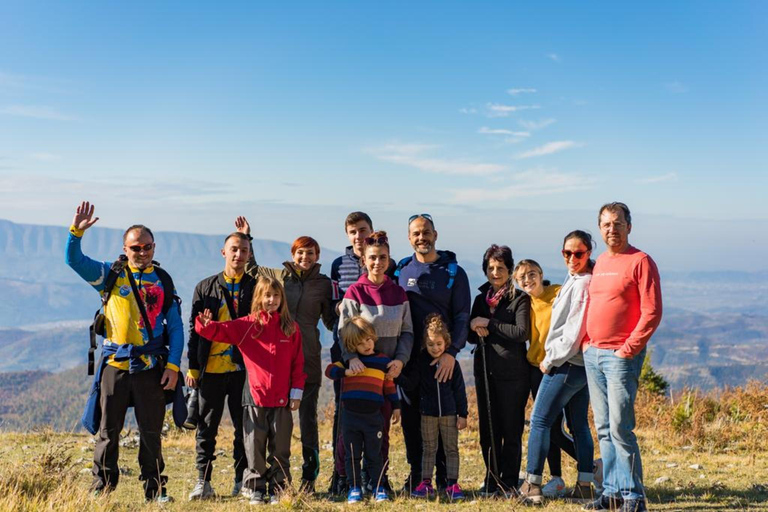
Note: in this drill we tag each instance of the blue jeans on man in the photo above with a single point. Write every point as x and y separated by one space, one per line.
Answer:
563 388
613 383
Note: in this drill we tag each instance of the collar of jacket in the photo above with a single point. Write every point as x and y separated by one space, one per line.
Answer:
305 275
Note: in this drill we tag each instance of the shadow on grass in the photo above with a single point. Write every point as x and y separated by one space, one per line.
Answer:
711 497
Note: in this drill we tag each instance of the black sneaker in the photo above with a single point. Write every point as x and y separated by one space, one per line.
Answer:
604 503
633 506
341 488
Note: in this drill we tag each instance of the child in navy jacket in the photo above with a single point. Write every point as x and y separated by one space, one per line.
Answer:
443 410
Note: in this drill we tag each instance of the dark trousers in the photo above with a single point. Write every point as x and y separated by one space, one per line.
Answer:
361 435
558 439
120 390
508 399
414 449
216 389
310 444
342 447
267 447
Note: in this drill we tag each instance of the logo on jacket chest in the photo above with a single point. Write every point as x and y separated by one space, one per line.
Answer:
125 290
412 281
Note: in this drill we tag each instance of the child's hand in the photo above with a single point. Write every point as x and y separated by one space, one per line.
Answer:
461 423
395 416
356 365
294 404
205 317
349 372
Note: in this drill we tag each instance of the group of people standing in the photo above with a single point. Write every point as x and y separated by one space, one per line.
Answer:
398 329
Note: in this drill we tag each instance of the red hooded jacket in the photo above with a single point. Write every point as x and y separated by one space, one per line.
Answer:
274 361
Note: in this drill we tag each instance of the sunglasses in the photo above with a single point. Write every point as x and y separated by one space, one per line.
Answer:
417 215
139 248
576 254
382 240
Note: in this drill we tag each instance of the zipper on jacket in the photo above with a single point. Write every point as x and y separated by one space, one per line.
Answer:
439 401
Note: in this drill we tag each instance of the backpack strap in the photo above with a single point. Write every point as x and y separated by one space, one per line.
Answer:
140 303
403 262
169 290
229 300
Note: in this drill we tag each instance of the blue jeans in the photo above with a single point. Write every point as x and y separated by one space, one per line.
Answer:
613 385
562 388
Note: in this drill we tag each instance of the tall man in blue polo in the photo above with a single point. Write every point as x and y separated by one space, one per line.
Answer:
435 283
137 364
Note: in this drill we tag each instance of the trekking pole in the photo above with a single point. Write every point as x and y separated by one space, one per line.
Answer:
494 466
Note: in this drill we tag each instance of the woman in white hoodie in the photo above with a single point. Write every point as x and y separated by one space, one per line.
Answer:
564 386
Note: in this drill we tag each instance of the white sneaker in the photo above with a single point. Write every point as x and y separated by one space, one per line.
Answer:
555 488
202 491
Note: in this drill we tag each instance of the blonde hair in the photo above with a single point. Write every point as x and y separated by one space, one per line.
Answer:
355 330
435 325
287 325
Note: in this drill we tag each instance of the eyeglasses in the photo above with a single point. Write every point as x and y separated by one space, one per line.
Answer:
382 240
576 254
139 248
417 215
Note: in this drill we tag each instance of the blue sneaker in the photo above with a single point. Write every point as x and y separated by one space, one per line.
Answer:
355 495
381 495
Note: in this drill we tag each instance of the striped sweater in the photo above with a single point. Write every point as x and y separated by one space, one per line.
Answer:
386 307
365 391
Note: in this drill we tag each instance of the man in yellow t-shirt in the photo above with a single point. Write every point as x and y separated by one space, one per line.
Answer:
216 369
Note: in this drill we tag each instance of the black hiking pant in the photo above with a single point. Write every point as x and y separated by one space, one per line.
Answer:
119 390
216 389
310 442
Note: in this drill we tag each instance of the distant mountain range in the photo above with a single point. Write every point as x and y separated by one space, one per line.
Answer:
714 331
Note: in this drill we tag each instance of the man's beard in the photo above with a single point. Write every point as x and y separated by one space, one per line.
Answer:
423 249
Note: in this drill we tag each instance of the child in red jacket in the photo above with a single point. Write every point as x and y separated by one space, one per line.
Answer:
270 342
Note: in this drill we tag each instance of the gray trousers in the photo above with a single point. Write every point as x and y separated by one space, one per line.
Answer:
267 438
443 427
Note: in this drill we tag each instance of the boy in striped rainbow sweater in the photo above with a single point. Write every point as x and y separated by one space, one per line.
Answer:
362 395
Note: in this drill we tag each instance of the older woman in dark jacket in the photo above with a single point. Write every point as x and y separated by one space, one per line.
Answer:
500 324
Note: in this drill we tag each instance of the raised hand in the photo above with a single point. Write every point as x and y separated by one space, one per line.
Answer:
242 226
205 317
84 218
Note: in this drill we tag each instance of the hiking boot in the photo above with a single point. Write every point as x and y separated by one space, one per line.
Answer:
202 491
555 488
257 497
190 423
380 495
237 488
342 488
633 506
307 486
581 493
424 489
355 495
454 492
604 503
531 494
488 490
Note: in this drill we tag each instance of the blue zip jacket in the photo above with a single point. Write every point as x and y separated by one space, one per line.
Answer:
441 399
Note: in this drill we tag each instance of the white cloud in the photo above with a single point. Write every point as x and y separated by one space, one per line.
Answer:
500 110
548 149
36 112
536 125
45 157
522 90
494 131
470 110
413 155
670 176
553 56
533 182
676 87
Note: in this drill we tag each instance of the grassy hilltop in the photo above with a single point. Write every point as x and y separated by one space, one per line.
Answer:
700 452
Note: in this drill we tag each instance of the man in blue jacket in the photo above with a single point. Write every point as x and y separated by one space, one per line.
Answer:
137 364
435 283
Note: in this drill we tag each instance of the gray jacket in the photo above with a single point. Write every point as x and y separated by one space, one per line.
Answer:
568 326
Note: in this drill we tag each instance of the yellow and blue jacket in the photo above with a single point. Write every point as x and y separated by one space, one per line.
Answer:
124 323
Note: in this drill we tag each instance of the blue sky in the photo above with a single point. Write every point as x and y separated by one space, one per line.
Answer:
524 116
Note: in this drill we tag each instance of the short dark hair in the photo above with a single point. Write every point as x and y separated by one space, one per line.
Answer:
355 217
501 253
615 207
140 227
237 234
